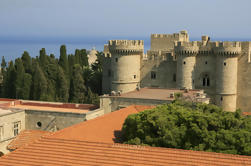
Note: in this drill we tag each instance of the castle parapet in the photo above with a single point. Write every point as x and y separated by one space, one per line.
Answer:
189 48
126 46
228 48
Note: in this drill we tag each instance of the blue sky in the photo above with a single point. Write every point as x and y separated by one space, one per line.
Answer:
120 18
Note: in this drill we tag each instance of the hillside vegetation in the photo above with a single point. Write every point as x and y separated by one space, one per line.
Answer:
190 126
67 79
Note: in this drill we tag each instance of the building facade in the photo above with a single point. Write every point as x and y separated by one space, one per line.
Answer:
222 69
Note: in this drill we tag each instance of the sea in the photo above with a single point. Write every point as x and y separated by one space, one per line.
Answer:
12 48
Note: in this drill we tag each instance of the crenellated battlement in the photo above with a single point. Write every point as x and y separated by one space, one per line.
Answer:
170 36
126 46
186 48
227 48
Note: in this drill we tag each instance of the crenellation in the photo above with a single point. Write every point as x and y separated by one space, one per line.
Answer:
173 61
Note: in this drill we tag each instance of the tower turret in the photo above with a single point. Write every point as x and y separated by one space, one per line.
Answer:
125 64
226 74
186 58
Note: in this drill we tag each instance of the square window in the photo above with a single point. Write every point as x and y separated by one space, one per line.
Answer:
16 128
184 62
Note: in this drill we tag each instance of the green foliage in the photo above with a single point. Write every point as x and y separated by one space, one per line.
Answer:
191 126
67 79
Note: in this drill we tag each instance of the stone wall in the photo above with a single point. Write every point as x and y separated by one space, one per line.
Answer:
111 103
7 122
51 121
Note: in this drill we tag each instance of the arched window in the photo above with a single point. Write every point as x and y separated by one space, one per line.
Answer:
206 80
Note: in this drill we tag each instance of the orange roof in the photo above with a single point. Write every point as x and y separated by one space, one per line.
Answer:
246 113
56 152
25 137
101 129
91 143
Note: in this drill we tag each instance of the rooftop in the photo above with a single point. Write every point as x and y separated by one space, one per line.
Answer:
92 143
159 93
26 137
101 129
10 105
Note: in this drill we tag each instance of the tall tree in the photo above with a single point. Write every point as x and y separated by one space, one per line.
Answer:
3 64
9 81
62 86
39 84
26 62
77 87
19 78
63 59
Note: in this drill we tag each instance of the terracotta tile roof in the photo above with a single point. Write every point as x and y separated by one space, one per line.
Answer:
91 143
101 129
246 113
26 137
54 152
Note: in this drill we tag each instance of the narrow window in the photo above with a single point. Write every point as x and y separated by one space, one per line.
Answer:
1 133
208 82
225 63
116 59
174 77
16 128
134 76
184 62
206 62
153 75
221 98
204 81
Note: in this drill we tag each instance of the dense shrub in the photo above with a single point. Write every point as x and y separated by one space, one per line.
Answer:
191 126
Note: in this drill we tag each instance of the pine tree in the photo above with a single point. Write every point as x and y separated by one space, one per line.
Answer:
26 90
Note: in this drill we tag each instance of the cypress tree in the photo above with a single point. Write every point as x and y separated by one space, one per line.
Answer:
39 84
3 64
19 78
26 62
62 86
77 87
9 82
63 60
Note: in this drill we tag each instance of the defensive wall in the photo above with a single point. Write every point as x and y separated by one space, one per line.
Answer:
222 69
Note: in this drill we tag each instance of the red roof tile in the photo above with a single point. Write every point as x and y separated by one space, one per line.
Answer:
101 129
85 144
26 137
53 151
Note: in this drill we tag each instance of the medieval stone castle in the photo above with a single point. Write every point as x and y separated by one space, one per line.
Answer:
222 69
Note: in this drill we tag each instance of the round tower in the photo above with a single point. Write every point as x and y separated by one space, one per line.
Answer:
226 74
186 59
125 64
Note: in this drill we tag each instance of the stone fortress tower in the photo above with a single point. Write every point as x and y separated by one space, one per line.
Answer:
125 60
222 69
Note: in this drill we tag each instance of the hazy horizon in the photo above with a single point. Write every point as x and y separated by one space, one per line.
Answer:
119 19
